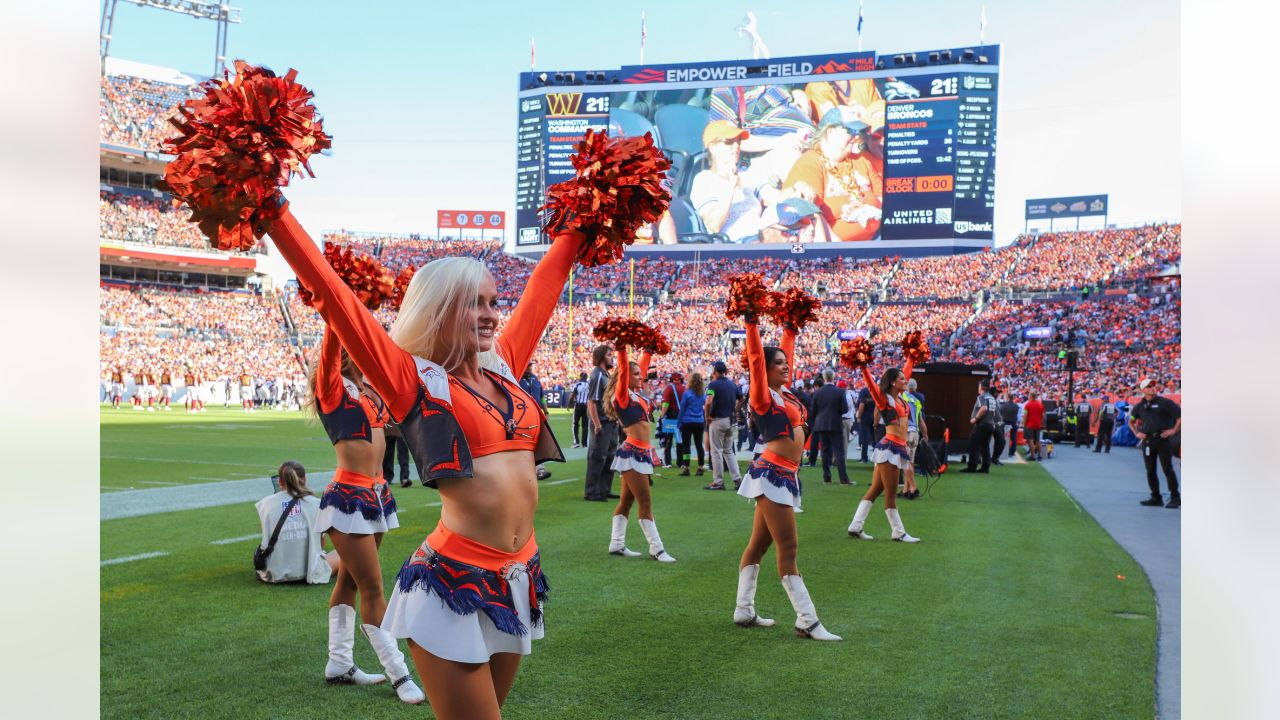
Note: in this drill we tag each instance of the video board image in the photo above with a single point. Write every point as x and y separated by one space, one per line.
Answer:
765 163
819 160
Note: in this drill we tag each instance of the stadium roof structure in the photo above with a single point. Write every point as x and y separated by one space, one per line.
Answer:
157 73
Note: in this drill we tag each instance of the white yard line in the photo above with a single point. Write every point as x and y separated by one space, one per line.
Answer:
157 482
242 538
184 461
401 511
1073 502
131 558
559 482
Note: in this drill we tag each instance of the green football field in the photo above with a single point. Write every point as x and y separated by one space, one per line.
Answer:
1015 605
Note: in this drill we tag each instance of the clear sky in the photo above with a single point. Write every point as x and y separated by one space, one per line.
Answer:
420 96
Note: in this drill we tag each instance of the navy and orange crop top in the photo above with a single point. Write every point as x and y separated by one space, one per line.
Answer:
510 425
345 412
445 423
775 414
632 407
890 413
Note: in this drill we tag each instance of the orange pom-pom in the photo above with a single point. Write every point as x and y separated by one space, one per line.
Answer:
631 333
795 308
617 189
856 353
368 279
402 286
237 146
749 298
915 348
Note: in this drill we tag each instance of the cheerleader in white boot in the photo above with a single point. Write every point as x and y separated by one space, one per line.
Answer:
772 479
356 509
634 458
890 454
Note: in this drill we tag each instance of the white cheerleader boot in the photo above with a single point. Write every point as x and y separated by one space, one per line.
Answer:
618 542
393 660
859 518
899 532
341 668
744 614
807 624
656 550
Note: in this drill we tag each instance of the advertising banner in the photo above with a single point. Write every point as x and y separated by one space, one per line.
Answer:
471 219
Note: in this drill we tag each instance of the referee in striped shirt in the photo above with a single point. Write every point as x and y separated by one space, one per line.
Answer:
580 411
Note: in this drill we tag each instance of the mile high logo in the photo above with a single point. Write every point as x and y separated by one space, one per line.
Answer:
563 103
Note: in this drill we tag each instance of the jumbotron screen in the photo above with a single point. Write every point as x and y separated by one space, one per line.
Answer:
853 152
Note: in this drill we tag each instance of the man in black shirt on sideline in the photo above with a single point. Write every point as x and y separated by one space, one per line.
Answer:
983 419
1156 420
1009 419
602 441
1107 413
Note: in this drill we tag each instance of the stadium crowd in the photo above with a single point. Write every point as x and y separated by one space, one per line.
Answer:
949 276
842 278
1122 333
1055 261
134 111
149 221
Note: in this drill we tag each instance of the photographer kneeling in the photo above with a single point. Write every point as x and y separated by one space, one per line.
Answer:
297 553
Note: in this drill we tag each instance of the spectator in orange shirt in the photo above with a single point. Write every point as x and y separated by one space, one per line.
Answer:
840 177
860 95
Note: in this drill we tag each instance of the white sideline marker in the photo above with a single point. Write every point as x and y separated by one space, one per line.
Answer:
401 511
242 538
1073 502
559 482
131 558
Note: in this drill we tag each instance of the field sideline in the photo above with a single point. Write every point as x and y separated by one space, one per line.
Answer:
1016 604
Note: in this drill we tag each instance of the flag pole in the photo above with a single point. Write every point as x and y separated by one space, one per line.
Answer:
859 25
642 36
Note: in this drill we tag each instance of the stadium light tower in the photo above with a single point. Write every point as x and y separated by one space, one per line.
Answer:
220 12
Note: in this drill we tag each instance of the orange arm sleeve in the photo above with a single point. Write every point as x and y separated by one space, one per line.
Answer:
907 367
646 358
876 395
523 331
389 369
760 398
789 345
622 390
329 388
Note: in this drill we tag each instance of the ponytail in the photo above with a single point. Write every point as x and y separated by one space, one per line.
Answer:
610 387
293 477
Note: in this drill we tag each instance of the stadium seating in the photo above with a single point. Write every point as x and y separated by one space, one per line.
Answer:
134 112
973 308
147 220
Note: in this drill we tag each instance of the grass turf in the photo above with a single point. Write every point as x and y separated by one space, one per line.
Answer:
1010 608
